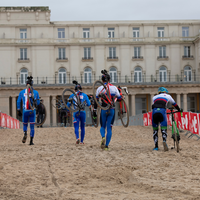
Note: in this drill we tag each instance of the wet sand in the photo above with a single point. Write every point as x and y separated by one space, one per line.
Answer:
56 168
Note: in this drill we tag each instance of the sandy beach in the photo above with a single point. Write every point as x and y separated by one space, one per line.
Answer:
56 168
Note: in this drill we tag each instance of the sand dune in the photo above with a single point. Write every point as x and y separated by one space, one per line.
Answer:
56 168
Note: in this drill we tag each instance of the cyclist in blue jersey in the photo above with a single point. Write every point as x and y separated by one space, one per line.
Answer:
159 115
107 117
79 117
28 115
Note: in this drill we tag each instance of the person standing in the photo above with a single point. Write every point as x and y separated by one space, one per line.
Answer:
27 114
79 117
159 115
107 117
40 112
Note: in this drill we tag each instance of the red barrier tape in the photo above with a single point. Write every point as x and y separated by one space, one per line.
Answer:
189 121
7 121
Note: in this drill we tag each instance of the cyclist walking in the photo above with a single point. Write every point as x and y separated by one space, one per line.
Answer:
79 117
159 115
28 115
107 117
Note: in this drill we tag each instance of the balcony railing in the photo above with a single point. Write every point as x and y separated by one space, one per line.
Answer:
23 60
187 57
162 58
61 59
137 58
132 80
112 58
87 59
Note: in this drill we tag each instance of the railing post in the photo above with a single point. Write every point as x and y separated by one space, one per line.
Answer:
46 80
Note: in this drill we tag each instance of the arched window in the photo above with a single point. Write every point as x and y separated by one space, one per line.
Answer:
87 75
138 75
62 76
187 73
113 75
163 74
23 76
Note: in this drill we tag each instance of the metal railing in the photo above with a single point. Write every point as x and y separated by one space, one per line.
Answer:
132 80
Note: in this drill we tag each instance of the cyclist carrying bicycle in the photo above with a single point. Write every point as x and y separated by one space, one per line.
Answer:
79 116
28 115
159 115
107 117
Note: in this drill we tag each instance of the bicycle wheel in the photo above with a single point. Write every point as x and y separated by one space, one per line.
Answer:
30 97
95 122
56 103
41 122
104 95
123 113
73 100
175 137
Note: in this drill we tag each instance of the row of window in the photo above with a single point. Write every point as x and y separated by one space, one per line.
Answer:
112 52
111 32
87 77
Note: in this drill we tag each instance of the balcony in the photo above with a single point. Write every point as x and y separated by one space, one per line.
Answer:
138 58
85 40
187 58
112 40
158 39
137 40
23 60
160 58
112 58
90 59
127 79
62 59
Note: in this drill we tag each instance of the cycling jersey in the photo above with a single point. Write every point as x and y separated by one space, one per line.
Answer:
161 100
114 92
23 97
83 99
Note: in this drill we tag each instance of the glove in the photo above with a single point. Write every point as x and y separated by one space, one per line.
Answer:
94 115
19 113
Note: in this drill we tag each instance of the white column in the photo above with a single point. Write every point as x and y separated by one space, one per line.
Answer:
185 102
178 99
46 101
133 104
54 113
14 107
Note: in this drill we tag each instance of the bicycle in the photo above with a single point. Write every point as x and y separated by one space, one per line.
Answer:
175 131
33 104
105 100
95 122
73 99
123 112
56 103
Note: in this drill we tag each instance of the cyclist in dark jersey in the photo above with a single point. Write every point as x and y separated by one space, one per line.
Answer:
159 115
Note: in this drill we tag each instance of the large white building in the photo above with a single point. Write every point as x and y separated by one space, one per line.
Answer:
143 55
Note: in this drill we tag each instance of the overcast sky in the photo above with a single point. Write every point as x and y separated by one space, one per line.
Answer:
76 10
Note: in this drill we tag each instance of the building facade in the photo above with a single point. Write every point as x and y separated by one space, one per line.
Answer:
141 55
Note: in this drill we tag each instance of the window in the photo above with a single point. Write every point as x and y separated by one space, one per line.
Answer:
23 33
163 74
62 76
160 31
185 31
136 32
162 51
112 52
186 51
23 76
138 75
187 73
111 32
87 52
87 75
23 53
113 75
61 33
86 33
61 53
137 52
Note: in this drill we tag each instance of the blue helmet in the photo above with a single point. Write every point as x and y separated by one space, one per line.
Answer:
162 90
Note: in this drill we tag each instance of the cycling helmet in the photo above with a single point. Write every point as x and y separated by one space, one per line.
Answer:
78 87
105 77
162 90
29 80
